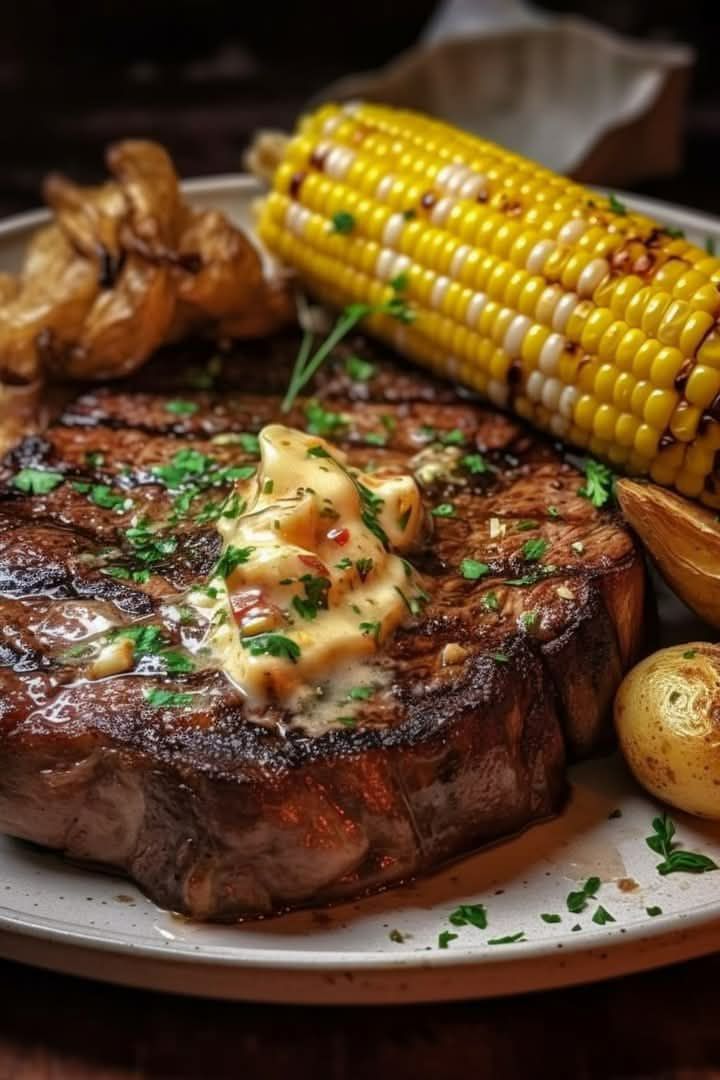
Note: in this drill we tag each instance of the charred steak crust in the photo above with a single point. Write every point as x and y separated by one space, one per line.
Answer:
216 816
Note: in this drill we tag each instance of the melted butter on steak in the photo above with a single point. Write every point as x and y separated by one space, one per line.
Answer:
309 582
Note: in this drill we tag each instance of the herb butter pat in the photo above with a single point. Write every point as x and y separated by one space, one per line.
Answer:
312 562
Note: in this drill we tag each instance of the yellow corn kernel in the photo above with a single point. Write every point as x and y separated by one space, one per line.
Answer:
702 386
584 412
628 348
605 421
684 422
659 408
644 358
709 351
625 383
697 326
689 483
598 323
665 367
626 428
646 441
699 459
663 473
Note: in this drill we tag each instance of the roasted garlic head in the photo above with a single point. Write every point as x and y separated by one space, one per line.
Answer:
124 268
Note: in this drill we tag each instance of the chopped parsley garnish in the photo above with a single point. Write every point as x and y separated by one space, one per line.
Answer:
187 465
526 579
550 918
346 721
675 860
361 693
616 206
397 937
316 590
371 629
268 487
322 421
598 486
371 505
249 442
231 558
376 438
444 510
414 604
147 640
342 222
490 601
363 567
475 463
344 564
444 939
525 526
689 654
150 641
654 911
456 437
159 699
602 916
577 901
404 519
500 658
553 512
272 645
94 458
510 939
149 547
529 620
37 481
318 452
104 497
534 549
122 574
469 915
359 370
181 408
472 570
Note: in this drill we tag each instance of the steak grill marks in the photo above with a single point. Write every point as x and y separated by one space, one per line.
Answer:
480 699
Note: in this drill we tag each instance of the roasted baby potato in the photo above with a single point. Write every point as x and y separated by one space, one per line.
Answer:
667 715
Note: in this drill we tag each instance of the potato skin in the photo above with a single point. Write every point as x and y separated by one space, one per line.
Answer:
667 715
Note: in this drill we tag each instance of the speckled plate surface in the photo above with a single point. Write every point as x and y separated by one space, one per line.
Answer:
385 948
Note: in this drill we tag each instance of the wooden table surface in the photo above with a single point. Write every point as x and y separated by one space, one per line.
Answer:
662 1024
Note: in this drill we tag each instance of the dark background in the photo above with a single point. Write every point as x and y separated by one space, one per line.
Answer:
202 75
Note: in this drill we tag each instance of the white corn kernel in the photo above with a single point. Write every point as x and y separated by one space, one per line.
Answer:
535 384
567 400
595 272
563 310
550 354
572 231
518 328
474 308
539 255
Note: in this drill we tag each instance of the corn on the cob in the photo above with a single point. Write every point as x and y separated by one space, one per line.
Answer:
594 323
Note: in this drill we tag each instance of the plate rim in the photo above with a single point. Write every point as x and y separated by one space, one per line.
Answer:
662 934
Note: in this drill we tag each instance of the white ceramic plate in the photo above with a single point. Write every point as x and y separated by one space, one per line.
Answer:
72 919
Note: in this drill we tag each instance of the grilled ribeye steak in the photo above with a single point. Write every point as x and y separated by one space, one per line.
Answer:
484 694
